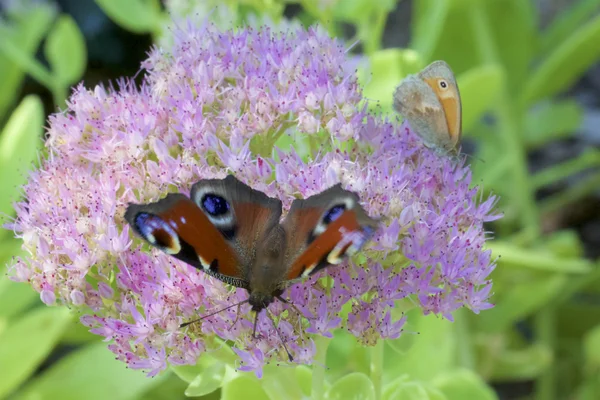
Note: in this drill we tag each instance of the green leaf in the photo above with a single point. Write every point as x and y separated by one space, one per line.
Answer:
65 51
520 300
386 69
464 384
430 22
522 364
514 32
518 257
565 243
551 121
354 386
589 389
591 347
170 387
138 16
222 351
304 378
343 355
390 388
20 142
281 383
479 88
27 29
403 344
208 381
511 26
27 342
187 373
566 22
92 370
402 389
566 64
9 248
408 391
244 387
424 361
79 334
359 10
15 297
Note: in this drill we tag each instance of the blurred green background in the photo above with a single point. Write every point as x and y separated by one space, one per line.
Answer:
529 77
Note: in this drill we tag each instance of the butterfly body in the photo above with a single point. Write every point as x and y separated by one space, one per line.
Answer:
430 102
233 233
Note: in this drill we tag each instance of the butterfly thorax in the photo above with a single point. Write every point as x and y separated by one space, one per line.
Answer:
268 269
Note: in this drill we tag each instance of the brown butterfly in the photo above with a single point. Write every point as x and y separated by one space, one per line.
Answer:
233 233
430 101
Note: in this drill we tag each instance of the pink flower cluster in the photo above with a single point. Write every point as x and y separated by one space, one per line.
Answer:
228 102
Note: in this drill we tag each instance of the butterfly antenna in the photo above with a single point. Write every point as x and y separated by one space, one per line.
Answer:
237 317
211 314
280 336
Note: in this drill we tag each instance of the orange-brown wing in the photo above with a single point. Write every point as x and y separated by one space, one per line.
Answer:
177 226
440 78
323 229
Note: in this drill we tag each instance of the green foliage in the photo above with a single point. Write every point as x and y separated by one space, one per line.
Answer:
20 141
27 342
23 30
139 16
355 386
65 51
91 370
563 66
20 36
507 69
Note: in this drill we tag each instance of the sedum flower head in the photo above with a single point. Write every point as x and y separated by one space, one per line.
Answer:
233 102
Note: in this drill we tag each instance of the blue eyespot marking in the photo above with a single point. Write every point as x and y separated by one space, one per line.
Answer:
334 213
157 232
215 205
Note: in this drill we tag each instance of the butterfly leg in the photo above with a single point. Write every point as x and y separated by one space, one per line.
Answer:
237 317
296 310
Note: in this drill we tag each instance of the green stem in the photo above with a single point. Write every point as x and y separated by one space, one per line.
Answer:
582 189
574 285
318 371
515 256
377 353
430 28
510 125
493 173
30 65
466 358
544 325
372 32
550 175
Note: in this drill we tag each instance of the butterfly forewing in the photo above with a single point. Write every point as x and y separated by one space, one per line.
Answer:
440 78
177 226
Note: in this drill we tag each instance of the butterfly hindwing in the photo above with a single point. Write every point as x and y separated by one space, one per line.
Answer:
322 229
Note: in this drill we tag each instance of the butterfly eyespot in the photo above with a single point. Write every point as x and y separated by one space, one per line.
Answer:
334 213
443 84
215 205
158 232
